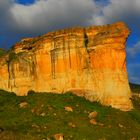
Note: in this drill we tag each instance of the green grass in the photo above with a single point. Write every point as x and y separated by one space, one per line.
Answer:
45 116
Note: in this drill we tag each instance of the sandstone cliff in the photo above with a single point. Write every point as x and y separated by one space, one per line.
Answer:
89 61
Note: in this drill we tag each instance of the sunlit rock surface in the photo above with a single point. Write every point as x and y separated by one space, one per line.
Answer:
89 61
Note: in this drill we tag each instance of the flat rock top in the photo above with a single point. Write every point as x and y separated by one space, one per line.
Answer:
118 29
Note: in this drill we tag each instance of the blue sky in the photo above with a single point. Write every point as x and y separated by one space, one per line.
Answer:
25 2
29 18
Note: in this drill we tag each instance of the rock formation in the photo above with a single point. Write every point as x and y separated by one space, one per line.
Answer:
89 61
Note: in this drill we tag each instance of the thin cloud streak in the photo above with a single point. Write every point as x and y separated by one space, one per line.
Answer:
133 72
134 50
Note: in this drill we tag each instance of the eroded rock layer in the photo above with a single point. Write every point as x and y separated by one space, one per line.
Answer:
89 61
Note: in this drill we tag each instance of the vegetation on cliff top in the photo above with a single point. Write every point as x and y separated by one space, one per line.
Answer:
2 52
41 116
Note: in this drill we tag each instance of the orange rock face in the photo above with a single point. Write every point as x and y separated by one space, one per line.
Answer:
89 61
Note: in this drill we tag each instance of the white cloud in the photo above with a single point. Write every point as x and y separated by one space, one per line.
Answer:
134 79
134 50
52 14
45 15
116 10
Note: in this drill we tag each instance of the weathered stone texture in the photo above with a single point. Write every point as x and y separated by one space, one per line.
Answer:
89 61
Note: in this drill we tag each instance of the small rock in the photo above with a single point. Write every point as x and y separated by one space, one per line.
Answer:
85 111
42 114
93 114
100 124
68 108
35 126
77 105
50 107
54 114
33 110
23 104
71 124
120 125
59 137
93 121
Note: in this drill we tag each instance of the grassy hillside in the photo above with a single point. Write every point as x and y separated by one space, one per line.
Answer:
135 88
41 116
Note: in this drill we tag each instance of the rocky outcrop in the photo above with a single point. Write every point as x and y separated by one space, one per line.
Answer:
89 61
